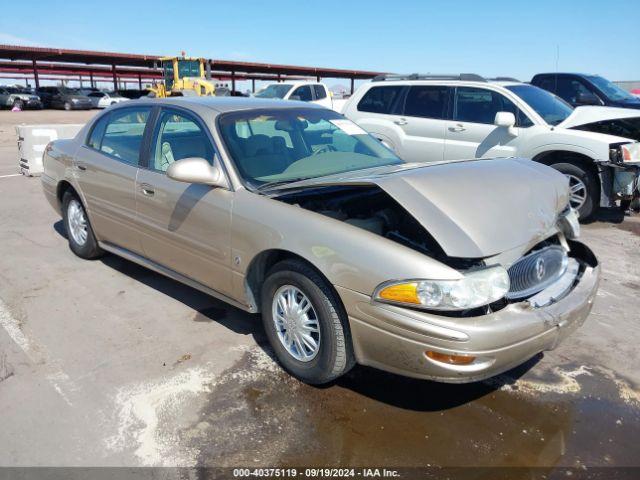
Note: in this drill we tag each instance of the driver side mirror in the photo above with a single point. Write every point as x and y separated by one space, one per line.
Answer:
196 170
294 97
506 120
587 98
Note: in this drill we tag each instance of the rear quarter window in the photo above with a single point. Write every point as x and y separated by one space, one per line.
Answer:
380 99
94 139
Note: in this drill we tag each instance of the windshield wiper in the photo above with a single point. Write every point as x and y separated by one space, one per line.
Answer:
276 183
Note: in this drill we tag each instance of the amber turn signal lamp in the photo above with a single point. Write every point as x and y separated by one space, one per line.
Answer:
450 359
401 292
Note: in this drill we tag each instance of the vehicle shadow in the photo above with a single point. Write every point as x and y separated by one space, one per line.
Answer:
424 395
608 215
207 308
395 390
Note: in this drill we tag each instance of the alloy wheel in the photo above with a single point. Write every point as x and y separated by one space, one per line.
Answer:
77 222
296 322
577 191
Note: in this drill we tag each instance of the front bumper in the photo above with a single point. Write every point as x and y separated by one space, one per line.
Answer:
395 339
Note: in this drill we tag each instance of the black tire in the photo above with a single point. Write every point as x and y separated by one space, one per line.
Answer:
89 249
335 355
591 182
18 103
67 106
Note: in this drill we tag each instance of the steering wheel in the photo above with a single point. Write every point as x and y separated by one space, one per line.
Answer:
325 148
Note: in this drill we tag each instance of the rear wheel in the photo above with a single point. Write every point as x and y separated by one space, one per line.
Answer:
584 188
305 323
82 241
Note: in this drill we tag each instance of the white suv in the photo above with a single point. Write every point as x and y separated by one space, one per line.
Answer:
440 118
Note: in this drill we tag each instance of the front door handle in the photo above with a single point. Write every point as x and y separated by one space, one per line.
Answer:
458 128
147 189
401 121
81 166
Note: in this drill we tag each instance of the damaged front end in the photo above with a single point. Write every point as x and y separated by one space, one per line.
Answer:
521 281
511 228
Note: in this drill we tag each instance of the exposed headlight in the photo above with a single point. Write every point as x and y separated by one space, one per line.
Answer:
474 289
74 100
625 153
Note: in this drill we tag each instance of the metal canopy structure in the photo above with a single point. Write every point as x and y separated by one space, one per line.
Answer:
32 62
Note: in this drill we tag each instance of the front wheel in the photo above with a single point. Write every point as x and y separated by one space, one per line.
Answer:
584 188
305 323
82 241
19 104
67 106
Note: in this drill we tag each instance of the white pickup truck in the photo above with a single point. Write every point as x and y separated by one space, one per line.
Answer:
312 92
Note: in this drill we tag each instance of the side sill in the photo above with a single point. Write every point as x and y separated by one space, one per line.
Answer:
156 267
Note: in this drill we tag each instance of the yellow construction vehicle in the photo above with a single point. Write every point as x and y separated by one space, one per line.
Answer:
183 76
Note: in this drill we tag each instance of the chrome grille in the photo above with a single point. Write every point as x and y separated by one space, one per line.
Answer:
536 271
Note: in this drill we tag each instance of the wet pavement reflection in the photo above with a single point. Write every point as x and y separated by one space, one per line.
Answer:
575 416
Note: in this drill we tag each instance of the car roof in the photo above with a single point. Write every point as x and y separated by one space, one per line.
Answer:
473 83
229 104
568 73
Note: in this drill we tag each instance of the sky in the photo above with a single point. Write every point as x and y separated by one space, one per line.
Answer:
490 38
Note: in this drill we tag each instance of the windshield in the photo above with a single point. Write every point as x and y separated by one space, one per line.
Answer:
285 145
610 89
274 91
551 108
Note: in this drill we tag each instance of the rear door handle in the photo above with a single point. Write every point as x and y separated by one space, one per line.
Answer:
81 166
147 189
401 121
458 128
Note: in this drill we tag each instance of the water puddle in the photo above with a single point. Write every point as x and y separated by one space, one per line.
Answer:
575 416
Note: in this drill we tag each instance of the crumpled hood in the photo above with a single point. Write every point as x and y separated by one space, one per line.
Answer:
475 208
586 115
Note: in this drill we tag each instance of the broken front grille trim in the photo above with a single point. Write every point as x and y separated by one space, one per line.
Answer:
536 271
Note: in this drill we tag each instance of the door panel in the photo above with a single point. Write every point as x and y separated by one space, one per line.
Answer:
186 227
108 186
106 169
421 140
471 133
423 123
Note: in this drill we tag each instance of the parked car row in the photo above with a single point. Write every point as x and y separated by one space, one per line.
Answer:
58 97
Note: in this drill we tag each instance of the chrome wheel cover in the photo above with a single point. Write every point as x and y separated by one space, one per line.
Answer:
577 191
296 323
77 222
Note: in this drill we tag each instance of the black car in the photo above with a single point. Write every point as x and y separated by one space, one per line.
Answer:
132 93
579 89
63 97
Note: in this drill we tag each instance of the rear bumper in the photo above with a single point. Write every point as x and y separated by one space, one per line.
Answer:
395 339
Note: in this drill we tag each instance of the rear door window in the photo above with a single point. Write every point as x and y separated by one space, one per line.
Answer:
570 88
380 99
427 102
320 92
303 93
124 132
97 132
